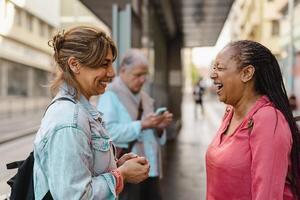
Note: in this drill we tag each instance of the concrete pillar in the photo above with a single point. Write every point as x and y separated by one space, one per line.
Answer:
159 45
167 84
175 83
122 29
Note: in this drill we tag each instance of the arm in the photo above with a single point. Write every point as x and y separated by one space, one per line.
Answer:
115 115
70 165
270 154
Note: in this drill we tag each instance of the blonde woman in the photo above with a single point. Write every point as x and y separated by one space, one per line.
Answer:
73 153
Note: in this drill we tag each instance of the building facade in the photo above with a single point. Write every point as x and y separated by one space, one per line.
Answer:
25 58
291 73
74 13
256 20
268 22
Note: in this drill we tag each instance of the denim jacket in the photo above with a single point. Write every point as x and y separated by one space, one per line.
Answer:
72 151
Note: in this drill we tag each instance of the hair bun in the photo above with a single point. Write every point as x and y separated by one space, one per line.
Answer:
57 41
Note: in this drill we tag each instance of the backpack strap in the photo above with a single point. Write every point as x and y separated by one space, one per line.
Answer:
24 174
59 99
17 164
14 165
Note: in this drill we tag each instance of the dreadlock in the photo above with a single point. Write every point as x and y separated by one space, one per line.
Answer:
268 81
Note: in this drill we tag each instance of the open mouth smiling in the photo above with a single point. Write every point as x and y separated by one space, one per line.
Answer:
218 87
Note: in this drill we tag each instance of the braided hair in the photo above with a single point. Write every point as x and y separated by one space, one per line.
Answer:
268 81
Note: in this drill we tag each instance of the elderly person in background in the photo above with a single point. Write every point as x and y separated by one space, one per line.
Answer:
132 125
255 154
73 156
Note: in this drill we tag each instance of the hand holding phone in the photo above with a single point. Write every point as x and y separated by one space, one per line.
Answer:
160 111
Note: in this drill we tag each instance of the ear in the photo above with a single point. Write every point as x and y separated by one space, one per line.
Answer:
74 65
247 73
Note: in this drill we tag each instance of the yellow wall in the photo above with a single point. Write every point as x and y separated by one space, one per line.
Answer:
254 22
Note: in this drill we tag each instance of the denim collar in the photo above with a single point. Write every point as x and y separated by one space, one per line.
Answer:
69 92
90 108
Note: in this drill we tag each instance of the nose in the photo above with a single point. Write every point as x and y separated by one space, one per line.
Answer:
110 72
213 74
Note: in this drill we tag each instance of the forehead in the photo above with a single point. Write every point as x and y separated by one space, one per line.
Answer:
226 55
139 68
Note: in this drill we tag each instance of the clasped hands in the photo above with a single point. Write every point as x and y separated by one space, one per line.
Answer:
133 168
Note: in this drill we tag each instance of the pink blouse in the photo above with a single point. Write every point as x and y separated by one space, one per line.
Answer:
253 162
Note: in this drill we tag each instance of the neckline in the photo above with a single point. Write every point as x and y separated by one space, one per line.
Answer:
223 140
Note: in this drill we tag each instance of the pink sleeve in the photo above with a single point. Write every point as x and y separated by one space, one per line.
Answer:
270 144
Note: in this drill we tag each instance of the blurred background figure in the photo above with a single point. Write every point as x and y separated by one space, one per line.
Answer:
128 113
293 103
294 108
198 93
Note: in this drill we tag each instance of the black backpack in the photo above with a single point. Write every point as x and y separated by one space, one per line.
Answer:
22 183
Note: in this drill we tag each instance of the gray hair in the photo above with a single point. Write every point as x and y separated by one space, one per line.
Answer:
133 57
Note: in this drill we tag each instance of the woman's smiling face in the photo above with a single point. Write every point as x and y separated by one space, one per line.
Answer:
93 81
226 76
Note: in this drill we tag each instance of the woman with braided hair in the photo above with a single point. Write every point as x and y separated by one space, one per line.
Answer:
255 154
73 154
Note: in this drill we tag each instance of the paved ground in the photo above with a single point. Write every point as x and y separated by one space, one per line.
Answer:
184 158
11 151
19 126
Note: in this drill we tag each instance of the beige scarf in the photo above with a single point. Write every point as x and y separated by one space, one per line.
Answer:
131 101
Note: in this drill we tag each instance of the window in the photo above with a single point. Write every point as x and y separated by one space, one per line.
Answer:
18 16
42 28
275 27
41 79
50 31
17 79
29 22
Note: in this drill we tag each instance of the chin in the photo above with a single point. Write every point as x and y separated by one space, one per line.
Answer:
99 92
221 99
135 91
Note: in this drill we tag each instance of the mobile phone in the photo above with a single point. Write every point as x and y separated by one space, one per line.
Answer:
160 111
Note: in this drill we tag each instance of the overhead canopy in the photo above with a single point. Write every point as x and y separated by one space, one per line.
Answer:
198 21
201 21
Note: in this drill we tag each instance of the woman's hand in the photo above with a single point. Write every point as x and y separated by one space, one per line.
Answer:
152 121
135 170
125 157
167 119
